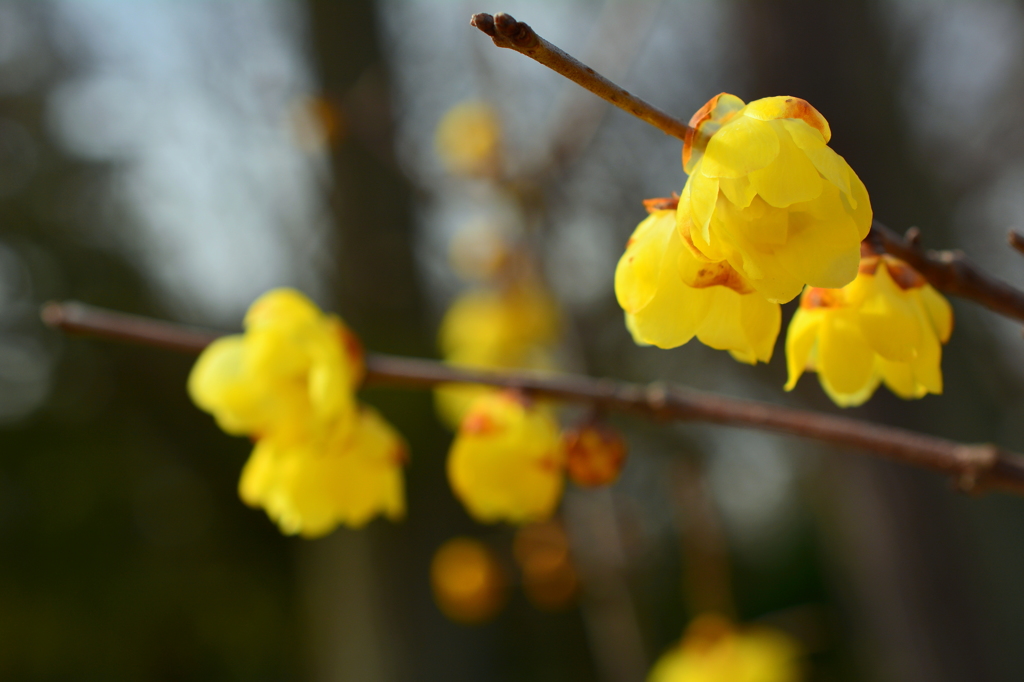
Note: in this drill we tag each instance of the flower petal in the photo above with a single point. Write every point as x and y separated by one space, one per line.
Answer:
791 178
739 147
846 362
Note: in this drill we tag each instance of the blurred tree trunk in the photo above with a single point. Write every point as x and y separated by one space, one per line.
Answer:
891 531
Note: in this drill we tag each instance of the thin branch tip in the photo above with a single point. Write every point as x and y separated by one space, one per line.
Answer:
484 22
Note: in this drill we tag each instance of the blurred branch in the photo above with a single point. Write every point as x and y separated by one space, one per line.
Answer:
1016 240
515 35
951 272
974 467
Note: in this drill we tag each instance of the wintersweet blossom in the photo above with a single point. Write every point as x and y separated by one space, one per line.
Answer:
670 295
310 487
506 462
292 373
767 194
888 325
713 650
508 328
289 383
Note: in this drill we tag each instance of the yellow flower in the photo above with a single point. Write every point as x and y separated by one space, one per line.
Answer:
469 139
766 194
506 462
289 382
670 296
512 328
468 583
291 374
888 325
713 651
308 488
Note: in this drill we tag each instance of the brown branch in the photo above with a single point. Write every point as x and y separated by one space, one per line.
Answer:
973 467
1016 240
515 35
952 272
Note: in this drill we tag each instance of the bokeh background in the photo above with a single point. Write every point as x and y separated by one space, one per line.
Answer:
178 159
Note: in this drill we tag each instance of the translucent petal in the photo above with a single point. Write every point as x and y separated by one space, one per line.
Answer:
940 313
889 318
772 108
739 191
927 366
859 205
846 362
739 147
722 327
831 166
636 276
791 178
899 377
823 249
673 314
801 338
762 320
703 199
855 398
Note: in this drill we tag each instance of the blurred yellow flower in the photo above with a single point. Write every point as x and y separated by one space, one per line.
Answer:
767 194
467 581
292 374
506 462
468 139
670 296
309 488
511 328
713 651
289 383
888 326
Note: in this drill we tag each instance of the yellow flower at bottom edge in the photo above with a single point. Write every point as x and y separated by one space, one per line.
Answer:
670 296
767 194
888 326
506 462
293 371
712 650
309 488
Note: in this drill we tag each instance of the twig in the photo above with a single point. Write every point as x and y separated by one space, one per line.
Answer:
974 467
515 35
953 273
1016 240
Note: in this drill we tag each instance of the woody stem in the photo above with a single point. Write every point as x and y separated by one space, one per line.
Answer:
516 35
974 467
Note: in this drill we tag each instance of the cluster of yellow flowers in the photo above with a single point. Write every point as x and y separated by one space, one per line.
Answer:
713 650
321 459
769 211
